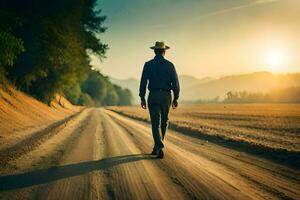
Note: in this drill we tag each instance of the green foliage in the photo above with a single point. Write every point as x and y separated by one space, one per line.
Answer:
72 93
103 92
59 37
86 100
125 96
111 97
10 45
95 86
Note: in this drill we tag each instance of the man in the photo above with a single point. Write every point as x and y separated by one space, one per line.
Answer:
161 77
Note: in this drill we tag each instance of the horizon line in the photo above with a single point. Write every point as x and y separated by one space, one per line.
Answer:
218 76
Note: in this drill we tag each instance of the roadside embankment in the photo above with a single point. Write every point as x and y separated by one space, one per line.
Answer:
21 115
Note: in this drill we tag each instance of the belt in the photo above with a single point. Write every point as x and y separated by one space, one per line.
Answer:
160 90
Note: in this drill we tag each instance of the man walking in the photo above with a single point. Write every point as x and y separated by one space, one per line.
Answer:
161 77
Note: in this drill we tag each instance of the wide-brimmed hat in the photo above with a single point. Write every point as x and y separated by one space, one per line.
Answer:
160 45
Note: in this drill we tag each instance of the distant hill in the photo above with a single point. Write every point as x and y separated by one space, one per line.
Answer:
254 82
187 81
208 88
132 84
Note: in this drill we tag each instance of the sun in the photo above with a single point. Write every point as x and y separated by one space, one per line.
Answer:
275 60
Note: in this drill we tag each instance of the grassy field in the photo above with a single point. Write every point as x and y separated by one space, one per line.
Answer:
271 126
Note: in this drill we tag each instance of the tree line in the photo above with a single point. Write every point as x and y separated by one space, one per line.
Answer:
46 47
280 95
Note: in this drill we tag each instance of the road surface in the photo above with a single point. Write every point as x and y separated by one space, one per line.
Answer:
99 154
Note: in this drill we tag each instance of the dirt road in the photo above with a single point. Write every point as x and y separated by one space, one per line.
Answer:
99 154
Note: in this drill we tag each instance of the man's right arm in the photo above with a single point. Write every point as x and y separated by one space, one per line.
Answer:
143 83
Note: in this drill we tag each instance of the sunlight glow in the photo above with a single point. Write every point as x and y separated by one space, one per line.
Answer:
275 60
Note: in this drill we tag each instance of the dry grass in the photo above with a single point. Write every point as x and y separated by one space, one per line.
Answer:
275 126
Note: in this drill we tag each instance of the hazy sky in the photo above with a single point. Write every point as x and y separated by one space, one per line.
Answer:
207 37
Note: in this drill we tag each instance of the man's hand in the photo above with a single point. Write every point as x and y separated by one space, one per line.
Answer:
174 104
143 104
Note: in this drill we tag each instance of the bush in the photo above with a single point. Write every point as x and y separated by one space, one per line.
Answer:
85 100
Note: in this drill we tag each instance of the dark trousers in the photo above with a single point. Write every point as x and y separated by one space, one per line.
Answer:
159 105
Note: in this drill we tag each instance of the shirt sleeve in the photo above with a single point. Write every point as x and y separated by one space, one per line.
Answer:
175 83
143 82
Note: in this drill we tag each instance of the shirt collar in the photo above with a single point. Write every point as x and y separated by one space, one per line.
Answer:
159 57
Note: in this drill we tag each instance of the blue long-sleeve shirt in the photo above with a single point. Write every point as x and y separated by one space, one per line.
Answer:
159 74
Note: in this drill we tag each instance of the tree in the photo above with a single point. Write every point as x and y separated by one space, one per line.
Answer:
125 96
85 100
103 92
10 45
59 36
96 87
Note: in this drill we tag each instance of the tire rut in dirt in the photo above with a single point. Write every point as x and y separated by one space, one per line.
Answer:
186 172
137 177
34 141
14 188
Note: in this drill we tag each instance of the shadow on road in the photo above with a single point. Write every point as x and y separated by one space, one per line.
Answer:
43 176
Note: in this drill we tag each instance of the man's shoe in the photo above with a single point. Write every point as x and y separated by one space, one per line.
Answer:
160 154
154 152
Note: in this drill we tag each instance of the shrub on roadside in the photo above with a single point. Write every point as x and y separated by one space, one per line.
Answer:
85 100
